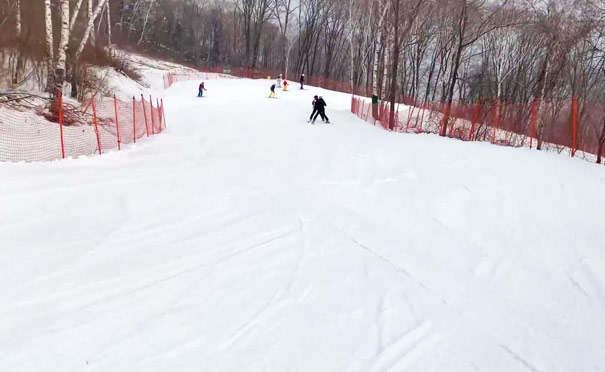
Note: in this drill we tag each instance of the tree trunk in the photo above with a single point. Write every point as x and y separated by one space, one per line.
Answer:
290 44
540 96
145 23
63 44
352 55
18 18
88 30
74 15
256 47
109 29
20 46
377 53
75 68
395 58
601 143
455 67
49 48
89 16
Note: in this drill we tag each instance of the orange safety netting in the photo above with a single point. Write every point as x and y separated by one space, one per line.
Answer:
98 125
561 127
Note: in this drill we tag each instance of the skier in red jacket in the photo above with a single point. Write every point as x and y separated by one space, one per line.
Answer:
201 91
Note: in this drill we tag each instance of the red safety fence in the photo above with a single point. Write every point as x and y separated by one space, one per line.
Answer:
97 125
561 127
175 77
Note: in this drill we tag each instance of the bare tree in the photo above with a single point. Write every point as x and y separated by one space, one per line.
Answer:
283 11
62 51
383 7
74 15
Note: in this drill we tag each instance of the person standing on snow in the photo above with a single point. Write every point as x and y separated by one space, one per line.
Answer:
302 81
279 79
315 98
320 106
272 94
201 90
285 85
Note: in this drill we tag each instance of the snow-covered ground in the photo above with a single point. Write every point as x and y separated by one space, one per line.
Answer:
152 71
245 239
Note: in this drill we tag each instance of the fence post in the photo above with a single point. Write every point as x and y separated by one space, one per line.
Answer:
534 118
157 103
151 112
60 99
134 121
94 119
574 125
115 108
145 115
163 113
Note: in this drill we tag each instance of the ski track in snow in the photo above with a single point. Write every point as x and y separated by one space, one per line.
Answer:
244 239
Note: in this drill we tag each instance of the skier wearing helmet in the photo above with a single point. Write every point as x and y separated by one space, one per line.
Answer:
320 106
315 98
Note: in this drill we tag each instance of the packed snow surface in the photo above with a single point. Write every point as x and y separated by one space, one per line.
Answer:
245 239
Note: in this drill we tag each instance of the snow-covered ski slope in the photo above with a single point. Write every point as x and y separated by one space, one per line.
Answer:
245 239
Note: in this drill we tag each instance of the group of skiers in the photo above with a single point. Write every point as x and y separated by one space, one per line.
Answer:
319 105
278 84
319 108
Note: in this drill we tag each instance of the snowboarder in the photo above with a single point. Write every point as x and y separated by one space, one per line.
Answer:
302 81
315 98
320 106
279 79
201 90
272 94
285 85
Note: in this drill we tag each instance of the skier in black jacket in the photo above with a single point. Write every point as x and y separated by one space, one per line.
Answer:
320 106
315 98
302 81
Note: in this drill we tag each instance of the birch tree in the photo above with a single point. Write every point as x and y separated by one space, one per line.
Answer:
74 15
19 36
89 28
282 12
63 45
89 17
49 47
83 41
384 5
18 18
109 29
145 22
